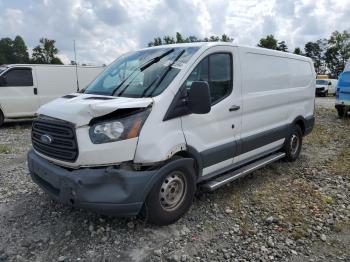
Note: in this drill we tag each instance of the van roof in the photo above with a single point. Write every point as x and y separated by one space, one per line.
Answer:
250 48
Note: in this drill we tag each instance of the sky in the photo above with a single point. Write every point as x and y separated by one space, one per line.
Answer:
105 29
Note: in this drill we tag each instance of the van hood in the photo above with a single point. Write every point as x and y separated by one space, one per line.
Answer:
79 109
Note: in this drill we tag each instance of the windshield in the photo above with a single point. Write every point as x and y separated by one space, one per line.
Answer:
321 82
144 73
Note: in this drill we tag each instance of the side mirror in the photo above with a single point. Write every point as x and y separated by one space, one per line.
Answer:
329 83
199 98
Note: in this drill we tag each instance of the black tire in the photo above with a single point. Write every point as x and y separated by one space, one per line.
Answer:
160 212
2 118
326 94
293 144
341 112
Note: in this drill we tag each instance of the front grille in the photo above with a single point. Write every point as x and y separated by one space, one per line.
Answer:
319 88
63 143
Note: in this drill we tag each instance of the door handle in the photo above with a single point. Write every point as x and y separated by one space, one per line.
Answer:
35 91
234 108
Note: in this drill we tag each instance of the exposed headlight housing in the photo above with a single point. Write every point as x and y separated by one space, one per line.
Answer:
118 129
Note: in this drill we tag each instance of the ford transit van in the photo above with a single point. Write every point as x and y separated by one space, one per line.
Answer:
161 122
24 88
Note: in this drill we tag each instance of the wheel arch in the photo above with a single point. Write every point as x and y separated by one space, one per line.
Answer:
191 152
301 122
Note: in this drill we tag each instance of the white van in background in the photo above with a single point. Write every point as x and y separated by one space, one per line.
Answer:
183 116
325 87
26 87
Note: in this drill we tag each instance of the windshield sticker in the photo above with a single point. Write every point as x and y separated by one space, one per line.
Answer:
177 64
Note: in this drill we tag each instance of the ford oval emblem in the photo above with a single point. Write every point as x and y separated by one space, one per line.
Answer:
46 139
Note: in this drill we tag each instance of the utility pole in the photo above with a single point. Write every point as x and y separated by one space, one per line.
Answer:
76 67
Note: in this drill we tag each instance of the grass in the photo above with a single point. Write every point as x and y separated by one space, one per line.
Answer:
320 135
5 149
341 165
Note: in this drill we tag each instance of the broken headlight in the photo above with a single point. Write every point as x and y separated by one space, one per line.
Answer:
118 129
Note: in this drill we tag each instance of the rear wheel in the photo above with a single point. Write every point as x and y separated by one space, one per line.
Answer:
171 197
293 144
2 118
341 112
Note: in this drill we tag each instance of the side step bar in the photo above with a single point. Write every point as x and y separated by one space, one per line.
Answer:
219 181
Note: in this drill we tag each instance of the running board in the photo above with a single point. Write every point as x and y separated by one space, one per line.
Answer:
219 181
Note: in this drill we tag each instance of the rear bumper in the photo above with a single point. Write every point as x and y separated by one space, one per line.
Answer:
106 190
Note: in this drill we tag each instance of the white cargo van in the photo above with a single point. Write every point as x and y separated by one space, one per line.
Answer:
24 88
162 121
325 87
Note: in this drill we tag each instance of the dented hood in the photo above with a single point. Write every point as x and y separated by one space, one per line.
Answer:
81 108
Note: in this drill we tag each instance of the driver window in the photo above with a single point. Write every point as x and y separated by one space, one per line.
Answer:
216 69
19 77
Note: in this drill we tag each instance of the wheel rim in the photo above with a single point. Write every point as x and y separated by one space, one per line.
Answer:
173 190
294 144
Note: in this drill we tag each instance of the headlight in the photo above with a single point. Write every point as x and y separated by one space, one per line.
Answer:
118 129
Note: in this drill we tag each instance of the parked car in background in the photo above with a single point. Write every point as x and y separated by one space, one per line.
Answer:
184 116
325 86
342 103
24 88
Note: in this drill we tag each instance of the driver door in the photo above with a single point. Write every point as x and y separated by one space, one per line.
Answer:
18 93
214 134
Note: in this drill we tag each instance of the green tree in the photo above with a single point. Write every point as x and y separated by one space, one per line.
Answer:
314 50
156 41
298 51
6 51
192 39
338 52
20 51
268 42
226 38
167 40
282 46
45 52
179 38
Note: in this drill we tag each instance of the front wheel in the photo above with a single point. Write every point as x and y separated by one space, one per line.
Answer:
293 143
171 197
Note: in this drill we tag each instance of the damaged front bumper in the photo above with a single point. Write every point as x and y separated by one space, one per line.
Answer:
106 190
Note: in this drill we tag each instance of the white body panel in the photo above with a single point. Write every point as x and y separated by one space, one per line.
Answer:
271 89
49 82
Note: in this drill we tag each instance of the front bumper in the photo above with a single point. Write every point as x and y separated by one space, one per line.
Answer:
106 190
321 91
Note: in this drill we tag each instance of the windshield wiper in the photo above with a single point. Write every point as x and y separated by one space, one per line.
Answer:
156 59
142 68
161 78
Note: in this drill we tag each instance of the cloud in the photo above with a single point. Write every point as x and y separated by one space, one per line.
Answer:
105 29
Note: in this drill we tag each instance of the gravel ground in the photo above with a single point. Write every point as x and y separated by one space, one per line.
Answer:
325 102
285 212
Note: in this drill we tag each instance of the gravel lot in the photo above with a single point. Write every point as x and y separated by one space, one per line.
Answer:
325 102
285 212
